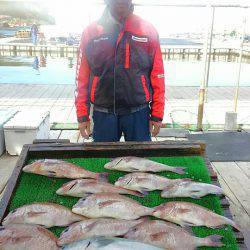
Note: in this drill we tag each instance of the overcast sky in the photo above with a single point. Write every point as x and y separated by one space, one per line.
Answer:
74 15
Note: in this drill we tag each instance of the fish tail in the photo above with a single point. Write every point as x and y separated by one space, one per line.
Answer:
102 177
179 170
233 224
212 241
149 211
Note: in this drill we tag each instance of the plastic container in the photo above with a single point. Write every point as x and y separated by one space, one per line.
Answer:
25 127
5 116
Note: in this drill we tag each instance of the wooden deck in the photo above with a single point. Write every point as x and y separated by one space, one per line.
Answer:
181 103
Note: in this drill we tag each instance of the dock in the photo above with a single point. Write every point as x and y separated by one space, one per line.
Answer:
168 52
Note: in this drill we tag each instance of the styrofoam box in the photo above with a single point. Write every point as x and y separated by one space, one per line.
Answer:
5 116
24 128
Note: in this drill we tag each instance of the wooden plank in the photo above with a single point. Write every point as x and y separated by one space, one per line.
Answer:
13 181
245 167
165 148
239 214
236 186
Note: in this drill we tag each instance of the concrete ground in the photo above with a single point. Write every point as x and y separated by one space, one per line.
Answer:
180 110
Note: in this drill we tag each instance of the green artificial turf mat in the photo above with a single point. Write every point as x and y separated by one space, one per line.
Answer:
36 188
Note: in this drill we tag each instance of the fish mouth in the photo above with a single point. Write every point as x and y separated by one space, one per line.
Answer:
76 210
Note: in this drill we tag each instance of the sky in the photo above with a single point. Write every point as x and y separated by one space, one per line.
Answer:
74 15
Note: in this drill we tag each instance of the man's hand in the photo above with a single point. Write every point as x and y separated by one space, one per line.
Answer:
154 127
84 128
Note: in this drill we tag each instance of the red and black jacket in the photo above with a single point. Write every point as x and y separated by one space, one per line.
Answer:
125 72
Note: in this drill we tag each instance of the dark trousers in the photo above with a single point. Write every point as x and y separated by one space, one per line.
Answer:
110 127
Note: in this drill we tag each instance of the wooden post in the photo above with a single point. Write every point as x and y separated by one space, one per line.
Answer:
169 51
204 80
214 55
229 55
236 96
183 54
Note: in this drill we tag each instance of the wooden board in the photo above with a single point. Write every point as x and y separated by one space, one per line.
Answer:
237 197
237 182
245 167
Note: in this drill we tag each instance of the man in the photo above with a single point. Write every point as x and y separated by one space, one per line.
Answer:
120 71
34 33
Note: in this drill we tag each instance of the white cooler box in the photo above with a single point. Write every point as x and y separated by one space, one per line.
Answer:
24 128
5 115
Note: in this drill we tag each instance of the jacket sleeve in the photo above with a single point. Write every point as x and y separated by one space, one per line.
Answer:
157 82
82 80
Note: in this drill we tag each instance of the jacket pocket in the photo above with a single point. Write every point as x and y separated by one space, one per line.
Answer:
93 88
127 56
145 88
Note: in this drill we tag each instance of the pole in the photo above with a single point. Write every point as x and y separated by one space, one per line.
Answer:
210 52
237 87
203 82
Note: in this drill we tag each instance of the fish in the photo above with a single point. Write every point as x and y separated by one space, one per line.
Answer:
45 214
137 164
170 236
112 206
61 169
191 189
27 237
109 243
190 214
85 187
145 182
96 227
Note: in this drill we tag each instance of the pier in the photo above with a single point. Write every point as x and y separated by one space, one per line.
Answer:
169 52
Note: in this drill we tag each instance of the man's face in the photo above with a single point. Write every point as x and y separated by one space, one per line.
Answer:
119 8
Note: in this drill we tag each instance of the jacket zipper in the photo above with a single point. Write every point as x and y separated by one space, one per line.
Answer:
116 48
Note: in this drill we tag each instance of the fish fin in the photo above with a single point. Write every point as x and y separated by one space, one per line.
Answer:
133 169
91 226
187 223
157 236
144 191
51 173
34 214
20 239
106 203
195 196
103 177
233 224
186 180
183 210
103 241
188 229
179 170
85 195
213 241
